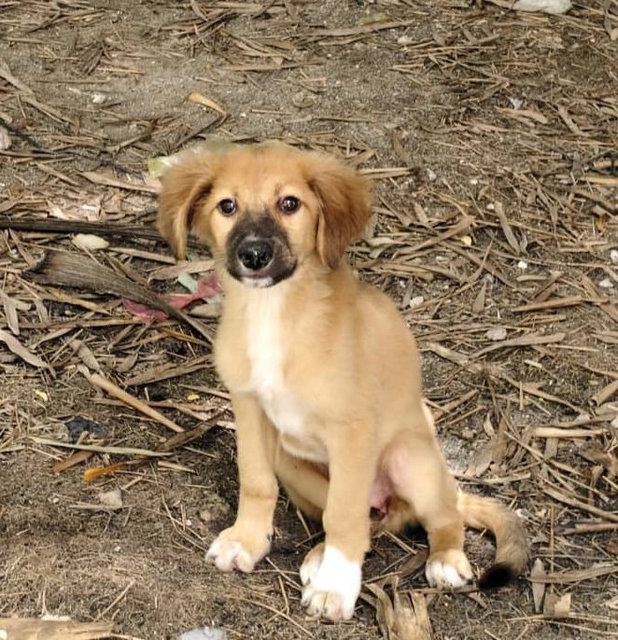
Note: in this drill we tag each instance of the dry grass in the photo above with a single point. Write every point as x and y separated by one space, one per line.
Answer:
492 137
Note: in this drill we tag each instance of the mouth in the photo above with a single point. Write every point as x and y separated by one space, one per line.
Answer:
264 278
257 283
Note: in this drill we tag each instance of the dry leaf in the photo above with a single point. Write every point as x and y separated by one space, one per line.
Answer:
19 350
538 588
85 354
556 606
481 460
206 102
207 287
411 622
401 619
10 313
479 302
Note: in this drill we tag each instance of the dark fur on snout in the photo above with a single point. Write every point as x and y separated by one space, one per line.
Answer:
284 261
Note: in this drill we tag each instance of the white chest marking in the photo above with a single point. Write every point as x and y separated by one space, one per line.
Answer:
266 359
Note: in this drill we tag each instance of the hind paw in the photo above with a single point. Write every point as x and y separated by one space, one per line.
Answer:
448 569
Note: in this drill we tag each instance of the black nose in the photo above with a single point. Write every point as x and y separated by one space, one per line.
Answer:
255 254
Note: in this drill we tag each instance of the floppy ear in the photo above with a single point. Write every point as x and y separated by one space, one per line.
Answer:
182 187
345 206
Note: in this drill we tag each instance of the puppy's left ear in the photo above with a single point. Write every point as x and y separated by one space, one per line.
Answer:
182 187
345 205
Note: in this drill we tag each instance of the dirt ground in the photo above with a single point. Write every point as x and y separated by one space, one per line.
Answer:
492 137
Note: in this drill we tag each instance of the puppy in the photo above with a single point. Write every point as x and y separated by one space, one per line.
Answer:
323 373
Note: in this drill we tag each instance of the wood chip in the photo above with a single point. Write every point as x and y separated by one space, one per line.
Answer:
32 629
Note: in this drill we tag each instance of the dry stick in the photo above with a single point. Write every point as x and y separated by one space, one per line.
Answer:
481 263
594 197
555 303
79 226
522 341
108 181
21 628
605 393
550 432
73 270
601 527
367 28
530 389
116 600
101 382
127 451
174 442
574 576
463 225
275 611
578 504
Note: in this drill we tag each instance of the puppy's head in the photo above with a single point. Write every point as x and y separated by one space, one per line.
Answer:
263 209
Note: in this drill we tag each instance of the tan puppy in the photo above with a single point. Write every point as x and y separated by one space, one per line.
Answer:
323 372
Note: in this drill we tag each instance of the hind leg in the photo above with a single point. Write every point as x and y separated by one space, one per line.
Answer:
419 476
306 487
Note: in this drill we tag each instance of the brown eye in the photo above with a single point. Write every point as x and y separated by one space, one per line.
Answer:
227 207
289 204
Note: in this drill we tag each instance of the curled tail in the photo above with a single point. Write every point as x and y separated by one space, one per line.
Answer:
511 542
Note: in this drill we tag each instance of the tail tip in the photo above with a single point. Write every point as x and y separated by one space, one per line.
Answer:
496 577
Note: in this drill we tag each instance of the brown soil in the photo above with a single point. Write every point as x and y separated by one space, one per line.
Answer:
460 112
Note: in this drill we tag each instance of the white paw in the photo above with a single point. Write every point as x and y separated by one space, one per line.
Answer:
311 564
229 555
332 584
448 569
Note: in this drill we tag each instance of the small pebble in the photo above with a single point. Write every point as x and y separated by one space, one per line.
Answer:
496 333
516 102
205 633
5 139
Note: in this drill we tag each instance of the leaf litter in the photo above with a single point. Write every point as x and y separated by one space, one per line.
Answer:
490 137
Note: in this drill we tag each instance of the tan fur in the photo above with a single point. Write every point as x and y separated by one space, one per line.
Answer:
350 367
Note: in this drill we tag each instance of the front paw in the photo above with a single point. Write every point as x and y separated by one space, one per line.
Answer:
237 548
331 583
448 569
